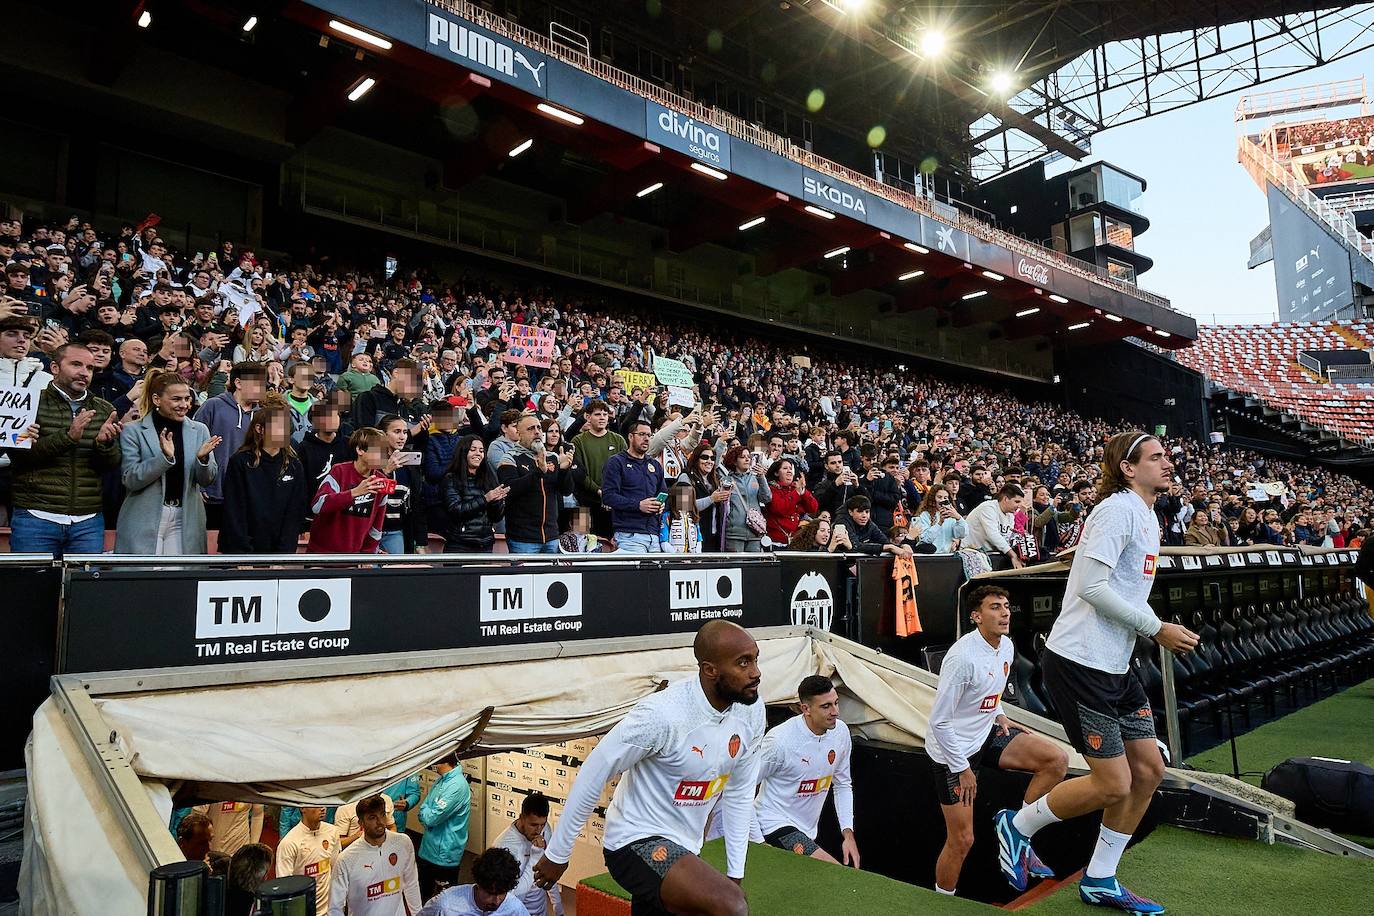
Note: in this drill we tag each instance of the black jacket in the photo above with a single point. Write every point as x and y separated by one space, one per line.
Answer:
971 495
886 493
264 506
318 456
470 516
870 540
535 497
378 401
831 497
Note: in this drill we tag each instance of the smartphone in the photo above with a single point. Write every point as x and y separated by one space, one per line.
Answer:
405 459
377 334
662 498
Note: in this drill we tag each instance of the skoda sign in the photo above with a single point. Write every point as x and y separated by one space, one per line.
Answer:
833 195
702 141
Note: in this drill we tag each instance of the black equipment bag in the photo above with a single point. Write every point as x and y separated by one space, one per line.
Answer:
1336 794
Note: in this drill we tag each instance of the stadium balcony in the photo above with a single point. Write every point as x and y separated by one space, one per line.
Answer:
1260 363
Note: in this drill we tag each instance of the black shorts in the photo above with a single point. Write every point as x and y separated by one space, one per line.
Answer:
789 837
990 754
1099 711
640 868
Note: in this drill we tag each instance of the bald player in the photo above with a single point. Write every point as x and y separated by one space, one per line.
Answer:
678 749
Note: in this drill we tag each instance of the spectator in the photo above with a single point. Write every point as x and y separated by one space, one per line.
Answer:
349 505
440 447
579 538
359 377
864 536
1046 517
631 486
811 536
938 523
884 490
841 483
675 440
320 446
17 368
790 501
680 529
745 525
264 487
227 416
978 490
991 523
535 480
405 529
510 436
473 499
248 868
57 481
444 815
167 460
593 448
711 494
395 397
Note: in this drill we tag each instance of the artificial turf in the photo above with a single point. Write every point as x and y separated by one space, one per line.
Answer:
781 883
1194 874
1337 726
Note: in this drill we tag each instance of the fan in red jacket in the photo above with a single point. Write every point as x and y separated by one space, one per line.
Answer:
349 507
791 500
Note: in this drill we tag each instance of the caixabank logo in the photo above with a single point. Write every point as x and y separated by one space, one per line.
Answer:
247 619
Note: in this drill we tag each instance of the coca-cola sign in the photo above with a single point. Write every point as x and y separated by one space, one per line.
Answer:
1034 271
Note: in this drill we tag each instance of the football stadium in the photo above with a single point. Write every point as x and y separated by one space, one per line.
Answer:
627 459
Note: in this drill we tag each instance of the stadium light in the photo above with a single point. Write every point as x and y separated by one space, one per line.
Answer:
1001 82
836 252
912 246
912 275
250 24
560 114
975 294
932 42
361 88
1026 313
1163 333
823 214
717 174
993 275
521 148
1079 326
1117 318
145 19
750 224
353 31
1058 298
650 189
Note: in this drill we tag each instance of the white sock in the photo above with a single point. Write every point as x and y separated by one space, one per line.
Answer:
1107 853
1034 816
941 890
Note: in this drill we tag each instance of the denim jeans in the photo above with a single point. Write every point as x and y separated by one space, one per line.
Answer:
635 542
531 547
30 534
393 542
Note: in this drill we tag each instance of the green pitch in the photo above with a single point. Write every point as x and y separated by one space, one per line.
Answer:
1193 874
782 883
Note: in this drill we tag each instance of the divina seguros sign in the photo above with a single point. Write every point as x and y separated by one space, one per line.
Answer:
704 142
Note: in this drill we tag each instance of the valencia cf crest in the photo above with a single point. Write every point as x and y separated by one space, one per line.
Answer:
734 745
324 843
391 858
1095 741
831 756
1006 667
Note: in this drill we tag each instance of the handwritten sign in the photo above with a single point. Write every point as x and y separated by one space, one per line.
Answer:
18 411
682 397
529 345
672 372
632 380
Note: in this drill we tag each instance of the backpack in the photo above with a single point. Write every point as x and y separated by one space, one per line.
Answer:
1336 794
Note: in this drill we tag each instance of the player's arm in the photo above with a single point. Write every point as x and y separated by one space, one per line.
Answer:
635 737
844 803
338 886
410 884
256 815
286 859
738 809
941 732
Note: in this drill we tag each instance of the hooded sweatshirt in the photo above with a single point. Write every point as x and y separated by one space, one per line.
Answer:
226 419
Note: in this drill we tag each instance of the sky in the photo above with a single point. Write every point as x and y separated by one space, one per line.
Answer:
1203 206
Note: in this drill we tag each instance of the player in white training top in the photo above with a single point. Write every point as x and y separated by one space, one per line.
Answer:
968 730
495 875
526 838
310 849
376 875
1086 672
678 749
799 762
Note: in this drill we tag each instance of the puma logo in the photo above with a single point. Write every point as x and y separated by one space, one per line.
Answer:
699 752
534 71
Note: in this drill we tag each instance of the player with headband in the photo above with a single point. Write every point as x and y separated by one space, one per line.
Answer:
1086 670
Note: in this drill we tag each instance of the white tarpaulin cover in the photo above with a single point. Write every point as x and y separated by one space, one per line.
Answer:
334 739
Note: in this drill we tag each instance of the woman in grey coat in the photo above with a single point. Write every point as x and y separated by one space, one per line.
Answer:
167 459
748 490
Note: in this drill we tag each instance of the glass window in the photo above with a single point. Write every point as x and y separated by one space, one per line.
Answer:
1119 234
1085 231
1120 271
1083 191
1120 189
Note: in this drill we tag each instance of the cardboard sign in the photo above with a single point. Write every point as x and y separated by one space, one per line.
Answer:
682 397
529 345
18 411
672 372
632 380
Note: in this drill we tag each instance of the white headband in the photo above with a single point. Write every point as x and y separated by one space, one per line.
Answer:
1139 439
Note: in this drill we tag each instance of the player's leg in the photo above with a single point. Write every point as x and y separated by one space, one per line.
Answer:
1037 755
794 840
693 888
958 841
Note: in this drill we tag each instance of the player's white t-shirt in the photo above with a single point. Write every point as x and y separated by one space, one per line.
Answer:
796 769
677 754
457 901
1123 533
376 880
310 853
346 817
534 898
968 699
233 824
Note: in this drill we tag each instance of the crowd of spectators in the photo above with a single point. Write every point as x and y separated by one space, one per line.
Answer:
220 401
1317 132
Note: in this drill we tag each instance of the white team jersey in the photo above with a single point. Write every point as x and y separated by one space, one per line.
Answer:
376 880
968 699
458 901
233 824
310 853
677 754
526 853
796 769
346 817
1123 533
